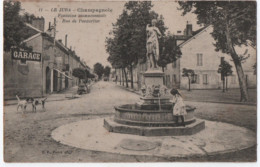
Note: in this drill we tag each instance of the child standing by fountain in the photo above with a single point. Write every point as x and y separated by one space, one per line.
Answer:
179 108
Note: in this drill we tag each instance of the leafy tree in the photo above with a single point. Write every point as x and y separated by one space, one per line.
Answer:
79 73
107 71
99 69
28 18
189 73
234 24
91 75
14 27
169 50
116 51
128 44
226 70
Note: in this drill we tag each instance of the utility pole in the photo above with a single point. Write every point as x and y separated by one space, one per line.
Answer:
54 27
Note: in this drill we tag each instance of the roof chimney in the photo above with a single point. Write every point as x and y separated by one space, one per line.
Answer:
189 29
38 23
66 37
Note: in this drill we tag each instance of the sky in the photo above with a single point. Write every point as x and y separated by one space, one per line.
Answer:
88 39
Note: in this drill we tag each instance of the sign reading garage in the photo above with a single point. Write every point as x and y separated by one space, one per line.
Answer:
27 56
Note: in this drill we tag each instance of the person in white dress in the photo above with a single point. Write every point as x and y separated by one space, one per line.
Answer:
179 108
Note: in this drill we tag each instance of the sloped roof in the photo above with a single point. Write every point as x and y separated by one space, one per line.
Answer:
32 27
32 32
39 32
194 34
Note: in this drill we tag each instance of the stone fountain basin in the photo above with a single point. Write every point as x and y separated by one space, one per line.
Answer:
135 115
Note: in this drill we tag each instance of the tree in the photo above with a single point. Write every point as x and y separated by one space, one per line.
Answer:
189 73
91 76
14 27
99 69
169 50
225 69
107 71
255 68
79 73
234 24
128 44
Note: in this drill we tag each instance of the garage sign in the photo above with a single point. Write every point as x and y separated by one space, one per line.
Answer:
24 55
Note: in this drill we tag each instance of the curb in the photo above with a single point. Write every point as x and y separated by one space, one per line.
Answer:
194 155
129 89
222 102
15 103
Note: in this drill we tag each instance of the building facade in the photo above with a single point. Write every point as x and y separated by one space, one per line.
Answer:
198 54
36 79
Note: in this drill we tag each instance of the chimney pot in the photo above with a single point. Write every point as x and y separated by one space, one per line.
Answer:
66 37
189 29
38 23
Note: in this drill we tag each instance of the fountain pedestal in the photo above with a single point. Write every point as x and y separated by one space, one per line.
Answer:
153 77
152 114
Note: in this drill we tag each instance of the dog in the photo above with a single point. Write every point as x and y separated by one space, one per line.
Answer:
37 102
22 103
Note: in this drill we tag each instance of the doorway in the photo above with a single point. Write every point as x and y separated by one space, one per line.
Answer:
48 80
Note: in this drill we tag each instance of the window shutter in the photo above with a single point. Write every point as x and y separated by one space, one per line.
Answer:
197 59
201 60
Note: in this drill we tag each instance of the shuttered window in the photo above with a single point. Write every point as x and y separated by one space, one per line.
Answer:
205 78
199 59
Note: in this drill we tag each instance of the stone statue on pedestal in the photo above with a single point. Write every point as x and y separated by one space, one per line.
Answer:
152 44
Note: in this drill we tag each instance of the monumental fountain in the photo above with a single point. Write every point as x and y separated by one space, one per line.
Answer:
152 114
149 128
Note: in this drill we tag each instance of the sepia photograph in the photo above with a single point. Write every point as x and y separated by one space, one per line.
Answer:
129 81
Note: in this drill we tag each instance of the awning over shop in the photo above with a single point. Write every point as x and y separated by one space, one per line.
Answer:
62 73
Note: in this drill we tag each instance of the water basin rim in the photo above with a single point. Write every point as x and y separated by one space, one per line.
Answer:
121 108
156 98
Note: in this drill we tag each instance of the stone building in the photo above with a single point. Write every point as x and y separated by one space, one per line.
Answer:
36 79
198 54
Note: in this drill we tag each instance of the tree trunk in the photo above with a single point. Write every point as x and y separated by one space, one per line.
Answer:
123 77
189 83
120 77
239 69
126 80
226 83
223 84
132 77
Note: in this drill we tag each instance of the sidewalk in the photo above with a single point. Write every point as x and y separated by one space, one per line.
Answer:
211 96
63 95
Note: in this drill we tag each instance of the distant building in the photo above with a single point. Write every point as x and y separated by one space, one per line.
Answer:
52 74
198 53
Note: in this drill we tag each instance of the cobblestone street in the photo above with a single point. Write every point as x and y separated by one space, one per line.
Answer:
27 137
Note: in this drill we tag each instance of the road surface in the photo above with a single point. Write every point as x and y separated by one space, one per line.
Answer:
27 138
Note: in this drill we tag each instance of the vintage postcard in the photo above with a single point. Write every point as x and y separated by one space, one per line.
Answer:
129 81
